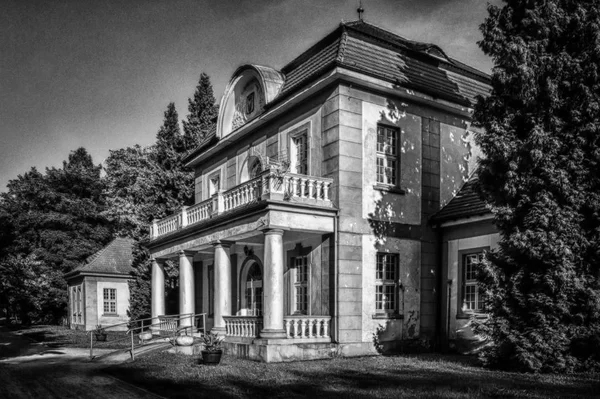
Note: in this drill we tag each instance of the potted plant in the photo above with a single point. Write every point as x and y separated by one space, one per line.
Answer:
100 333
211 354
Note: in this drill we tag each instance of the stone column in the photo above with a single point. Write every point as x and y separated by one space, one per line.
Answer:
158 292
273 285
222 285
186 287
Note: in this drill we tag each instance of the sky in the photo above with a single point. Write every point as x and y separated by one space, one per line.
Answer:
99 74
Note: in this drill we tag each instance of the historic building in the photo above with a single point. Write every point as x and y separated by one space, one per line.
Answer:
312 228
99 290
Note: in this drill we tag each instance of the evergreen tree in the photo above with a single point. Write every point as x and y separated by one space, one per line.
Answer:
540 175
202 113
146 184
54 222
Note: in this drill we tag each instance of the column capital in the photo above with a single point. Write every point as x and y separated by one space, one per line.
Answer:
270 230
186 253
223 243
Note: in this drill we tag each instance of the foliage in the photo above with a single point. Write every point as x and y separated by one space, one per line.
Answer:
202 113
150 183
99 330
212 342
540 175
52 222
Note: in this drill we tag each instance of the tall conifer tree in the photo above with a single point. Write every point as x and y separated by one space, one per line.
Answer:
541 176
202 113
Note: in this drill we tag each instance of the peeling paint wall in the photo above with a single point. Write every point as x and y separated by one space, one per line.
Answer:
459 155
392 207
409 294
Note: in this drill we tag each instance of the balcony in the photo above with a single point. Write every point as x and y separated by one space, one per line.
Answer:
271 185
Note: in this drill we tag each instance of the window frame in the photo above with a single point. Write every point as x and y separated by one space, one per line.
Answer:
302 133
386 158
394 283
295 285
462 283
109 301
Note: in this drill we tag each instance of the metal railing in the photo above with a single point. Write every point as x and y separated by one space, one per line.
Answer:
172 326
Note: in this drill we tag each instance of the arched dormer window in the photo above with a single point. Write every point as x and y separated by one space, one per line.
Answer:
250 88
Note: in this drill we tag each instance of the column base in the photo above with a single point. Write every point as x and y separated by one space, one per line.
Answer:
273 334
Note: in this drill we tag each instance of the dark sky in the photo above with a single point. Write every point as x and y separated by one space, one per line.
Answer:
100 73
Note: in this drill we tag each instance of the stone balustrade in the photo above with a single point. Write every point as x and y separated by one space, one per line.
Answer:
166 226
270 185
303 327
242 326
243 194
199 212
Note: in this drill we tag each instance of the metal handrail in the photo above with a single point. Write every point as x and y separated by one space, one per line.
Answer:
143 326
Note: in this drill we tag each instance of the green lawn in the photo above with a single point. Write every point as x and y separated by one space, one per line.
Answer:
422 376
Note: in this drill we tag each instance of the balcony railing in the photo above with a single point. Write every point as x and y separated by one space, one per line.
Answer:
311 327
270 185
242 326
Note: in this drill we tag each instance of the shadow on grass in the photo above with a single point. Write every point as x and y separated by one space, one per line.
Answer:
61 336
419 376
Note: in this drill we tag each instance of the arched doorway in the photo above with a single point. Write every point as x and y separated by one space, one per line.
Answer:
252 288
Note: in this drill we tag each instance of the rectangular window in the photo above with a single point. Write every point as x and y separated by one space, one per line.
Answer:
386 283
79 301
299 154
472 298
387 155
301 284
110 300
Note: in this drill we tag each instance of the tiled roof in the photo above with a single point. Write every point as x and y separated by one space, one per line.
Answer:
374 51
465 204
115 258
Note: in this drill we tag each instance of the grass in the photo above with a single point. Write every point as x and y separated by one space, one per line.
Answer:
422 376
60 336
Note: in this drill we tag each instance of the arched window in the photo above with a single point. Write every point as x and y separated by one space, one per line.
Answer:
254 290
251 169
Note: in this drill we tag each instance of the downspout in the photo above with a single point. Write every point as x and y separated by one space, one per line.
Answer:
336 280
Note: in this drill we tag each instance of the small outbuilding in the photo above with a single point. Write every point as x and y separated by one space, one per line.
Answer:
99 288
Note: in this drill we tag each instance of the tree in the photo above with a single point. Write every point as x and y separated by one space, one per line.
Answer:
146 184
52 221
202 113
540 175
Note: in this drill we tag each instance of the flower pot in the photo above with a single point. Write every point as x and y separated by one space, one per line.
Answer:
211 357
101 336
184 340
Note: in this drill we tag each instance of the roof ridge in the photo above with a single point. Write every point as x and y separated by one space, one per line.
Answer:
342 47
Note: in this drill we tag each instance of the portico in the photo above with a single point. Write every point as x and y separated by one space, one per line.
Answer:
239 266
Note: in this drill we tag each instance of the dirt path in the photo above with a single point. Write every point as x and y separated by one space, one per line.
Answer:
35 371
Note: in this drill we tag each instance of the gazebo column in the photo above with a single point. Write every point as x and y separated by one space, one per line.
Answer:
158 292
222 285
273 285
186 287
